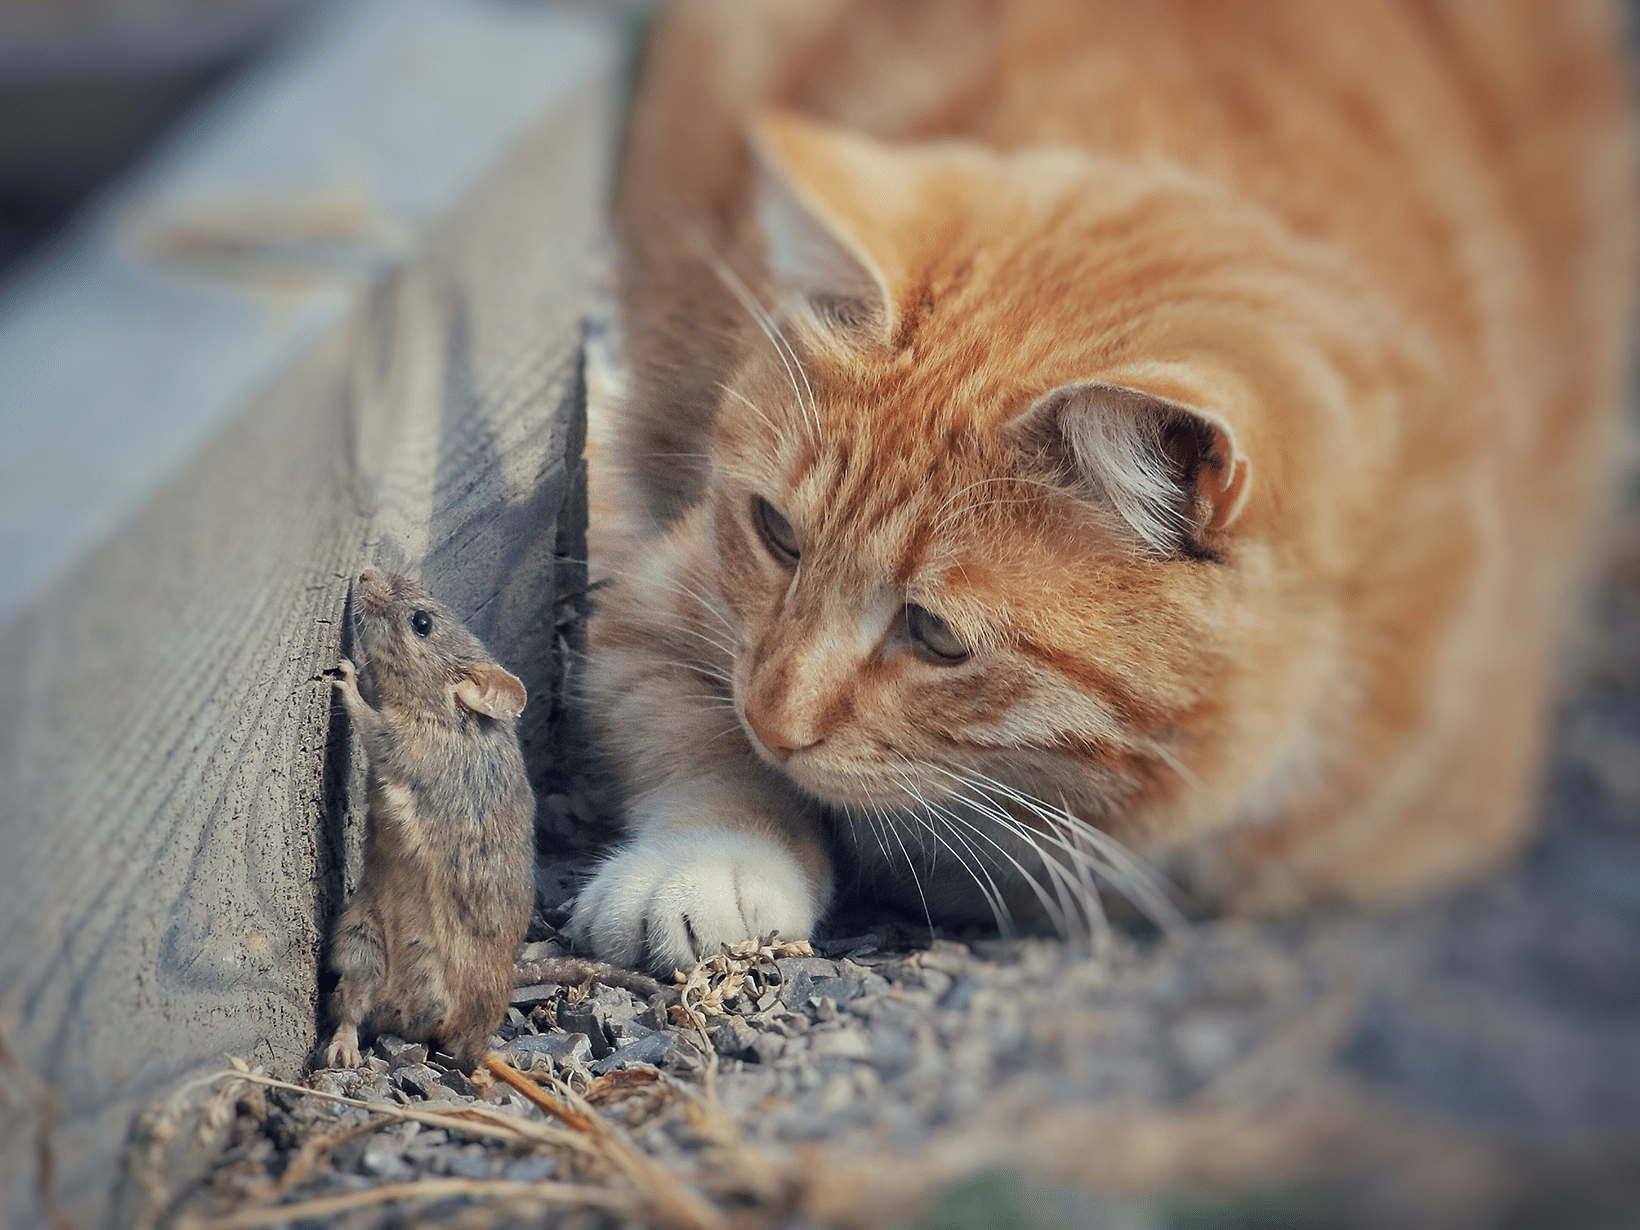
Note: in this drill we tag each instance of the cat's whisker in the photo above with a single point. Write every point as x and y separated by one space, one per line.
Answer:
1057 913
982 878
1079 899
876 833
646 578
764 321
1086 862
1136 880
1053 904
750 405
976 869
706 639
911 866
1178 766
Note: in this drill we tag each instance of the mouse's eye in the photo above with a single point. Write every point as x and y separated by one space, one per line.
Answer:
421 623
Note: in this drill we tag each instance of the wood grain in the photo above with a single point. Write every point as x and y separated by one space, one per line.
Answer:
179 792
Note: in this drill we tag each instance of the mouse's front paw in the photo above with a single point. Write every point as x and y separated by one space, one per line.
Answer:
669 898
343 1051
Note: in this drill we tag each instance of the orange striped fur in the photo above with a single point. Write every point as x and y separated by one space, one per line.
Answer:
1236 384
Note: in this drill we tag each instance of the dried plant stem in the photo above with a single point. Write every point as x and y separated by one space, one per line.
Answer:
667 1202
546 1191
467 1122
528 1087
311 1151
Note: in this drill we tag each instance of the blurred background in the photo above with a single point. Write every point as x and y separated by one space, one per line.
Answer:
87 86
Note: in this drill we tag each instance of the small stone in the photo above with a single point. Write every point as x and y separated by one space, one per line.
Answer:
397 1051
733 1038
849 1042
457 1083
542 950
798 976
421 1079
768 1047
514 1025
470 1162
315 1110
853 946
652 1049
683 1060
561 1048
529 1169
341 1082
825 1007
962 994
622 1032
937 981
385 1161
538 994
596 1016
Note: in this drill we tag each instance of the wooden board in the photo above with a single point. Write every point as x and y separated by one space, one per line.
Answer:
179 790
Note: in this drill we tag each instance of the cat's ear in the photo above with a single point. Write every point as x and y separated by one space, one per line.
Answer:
819 267
491 691
1165 473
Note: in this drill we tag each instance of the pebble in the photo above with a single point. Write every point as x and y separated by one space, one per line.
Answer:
649 1050
529 1169
574 1048
386 1161
733 1038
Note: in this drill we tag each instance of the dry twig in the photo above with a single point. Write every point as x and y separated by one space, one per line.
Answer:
546 1191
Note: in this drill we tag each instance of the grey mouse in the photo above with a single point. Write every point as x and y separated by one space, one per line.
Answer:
425 948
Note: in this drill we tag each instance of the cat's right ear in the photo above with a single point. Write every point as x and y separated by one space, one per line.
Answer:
820 269
1166 475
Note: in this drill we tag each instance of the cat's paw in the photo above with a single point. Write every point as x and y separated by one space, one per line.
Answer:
669 898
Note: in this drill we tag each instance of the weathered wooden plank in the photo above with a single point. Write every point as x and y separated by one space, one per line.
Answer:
176 791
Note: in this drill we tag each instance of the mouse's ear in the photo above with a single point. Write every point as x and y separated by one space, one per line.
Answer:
489 690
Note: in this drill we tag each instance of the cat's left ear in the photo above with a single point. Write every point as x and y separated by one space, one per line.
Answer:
1167 474
806 178
491 691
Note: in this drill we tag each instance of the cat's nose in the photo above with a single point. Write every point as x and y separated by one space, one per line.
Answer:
780 744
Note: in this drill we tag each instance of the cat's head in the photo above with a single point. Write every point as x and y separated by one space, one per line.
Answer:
992 492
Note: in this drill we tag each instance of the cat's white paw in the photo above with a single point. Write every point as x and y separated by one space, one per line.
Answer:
669 898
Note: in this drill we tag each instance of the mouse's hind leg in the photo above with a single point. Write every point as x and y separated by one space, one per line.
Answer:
360 957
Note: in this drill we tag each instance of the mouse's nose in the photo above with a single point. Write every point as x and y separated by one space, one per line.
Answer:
374 593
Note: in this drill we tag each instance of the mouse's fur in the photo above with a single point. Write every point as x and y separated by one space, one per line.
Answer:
425 949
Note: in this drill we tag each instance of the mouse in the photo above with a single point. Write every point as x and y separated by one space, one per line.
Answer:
425 947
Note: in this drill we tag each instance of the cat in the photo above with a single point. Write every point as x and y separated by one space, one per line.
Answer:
1067 428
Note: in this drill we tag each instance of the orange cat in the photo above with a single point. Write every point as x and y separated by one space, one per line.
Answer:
1069 426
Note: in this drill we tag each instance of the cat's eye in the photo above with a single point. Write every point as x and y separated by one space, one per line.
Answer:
777 532
934 635
421 623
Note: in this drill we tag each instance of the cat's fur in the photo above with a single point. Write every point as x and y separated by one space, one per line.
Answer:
1237 381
